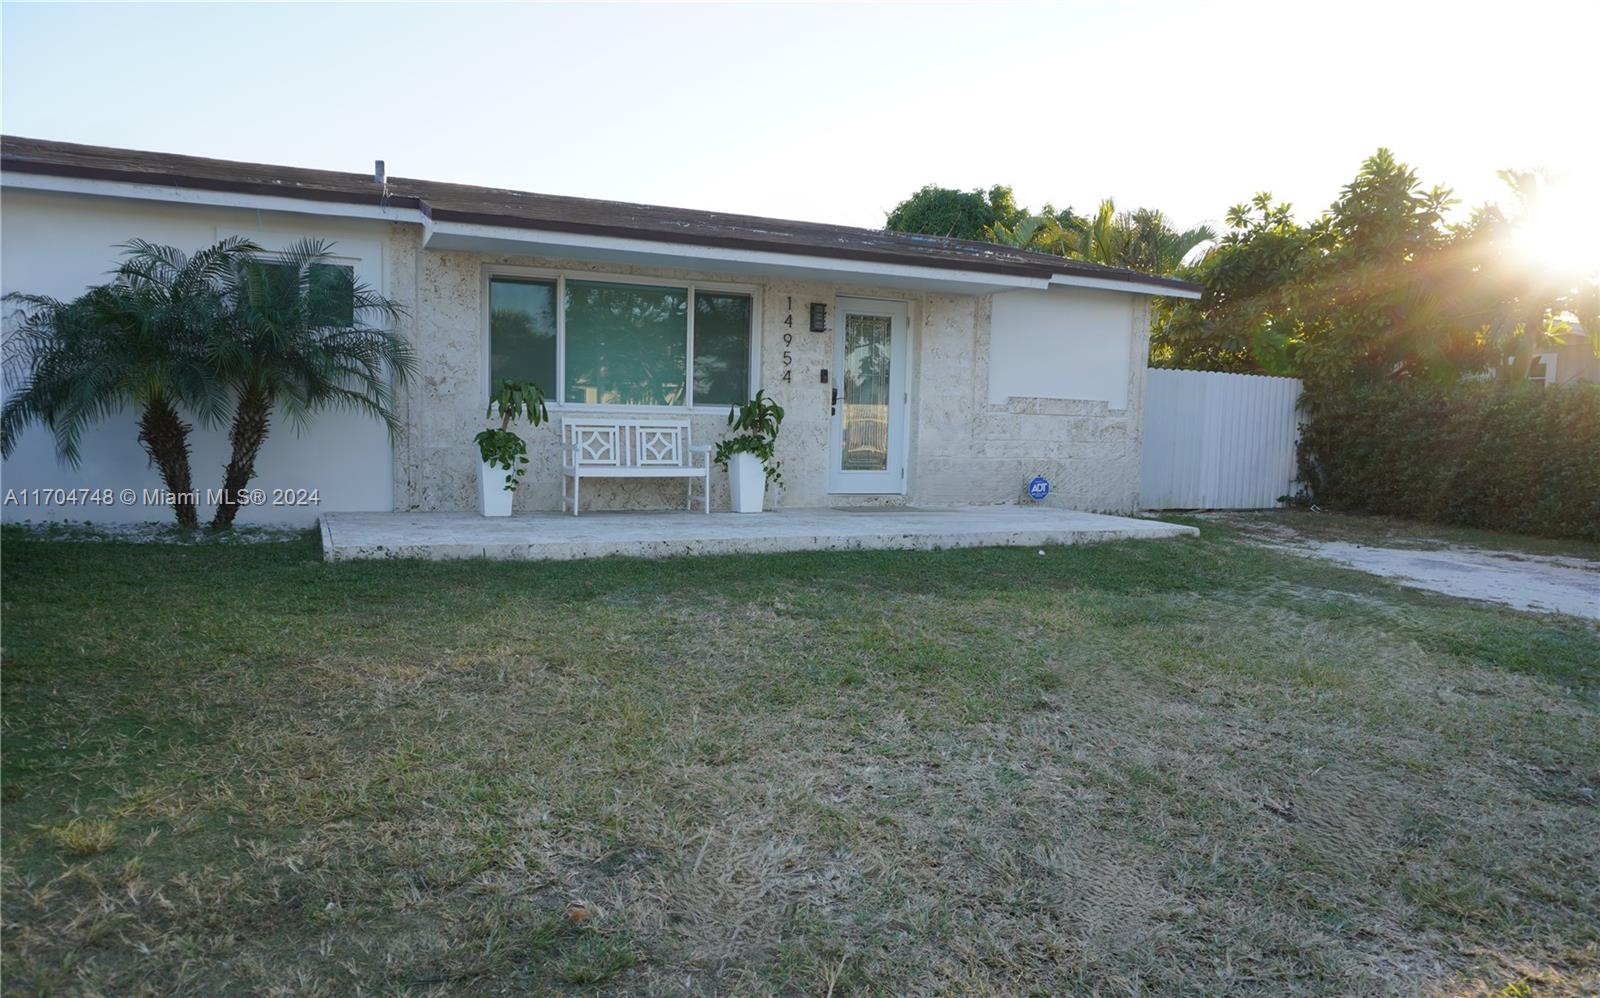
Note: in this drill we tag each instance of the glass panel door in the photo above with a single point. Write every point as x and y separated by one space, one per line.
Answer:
869 400
865 393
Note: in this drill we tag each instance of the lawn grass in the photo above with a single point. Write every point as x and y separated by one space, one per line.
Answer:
1188 766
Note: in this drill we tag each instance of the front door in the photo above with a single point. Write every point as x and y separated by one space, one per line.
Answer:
868 441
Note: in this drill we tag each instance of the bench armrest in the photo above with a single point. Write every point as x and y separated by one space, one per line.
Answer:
700 448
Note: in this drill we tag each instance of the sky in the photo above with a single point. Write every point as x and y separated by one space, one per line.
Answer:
835 113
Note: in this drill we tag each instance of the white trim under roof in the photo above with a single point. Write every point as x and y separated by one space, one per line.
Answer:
478 238
191 195
1122 284
475 238
603 249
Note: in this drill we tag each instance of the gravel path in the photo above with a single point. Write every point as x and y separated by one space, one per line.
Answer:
1550 584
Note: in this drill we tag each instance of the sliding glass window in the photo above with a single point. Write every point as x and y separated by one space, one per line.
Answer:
522 332
621 343
627 344
721 348
330 291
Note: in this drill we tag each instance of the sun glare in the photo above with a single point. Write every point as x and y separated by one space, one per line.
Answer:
1561 229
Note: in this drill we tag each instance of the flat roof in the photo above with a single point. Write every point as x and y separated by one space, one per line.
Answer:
525 210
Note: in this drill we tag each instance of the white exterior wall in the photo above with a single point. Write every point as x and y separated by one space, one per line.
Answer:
1002 388
58 244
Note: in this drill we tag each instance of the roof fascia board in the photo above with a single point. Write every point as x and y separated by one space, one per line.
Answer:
15 180
1109 284
446 235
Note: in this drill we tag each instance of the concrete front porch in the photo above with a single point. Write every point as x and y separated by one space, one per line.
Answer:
561 537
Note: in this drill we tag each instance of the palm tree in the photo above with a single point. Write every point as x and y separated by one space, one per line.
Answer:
298 337
1028 231
141 339
1144 240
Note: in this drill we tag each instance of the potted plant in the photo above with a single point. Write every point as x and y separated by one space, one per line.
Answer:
748 454
504 453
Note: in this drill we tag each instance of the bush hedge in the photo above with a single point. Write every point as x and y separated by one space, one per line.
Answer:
1488 454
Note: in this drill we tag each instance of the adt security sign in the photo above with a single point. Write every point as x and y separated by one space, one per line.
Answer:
1038 488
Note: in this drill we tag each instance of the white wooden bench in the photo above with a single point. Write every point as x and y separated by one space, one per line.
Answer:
601 447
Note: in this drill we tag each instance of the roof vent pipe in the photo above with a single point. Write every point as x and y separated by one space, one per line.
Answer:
378 176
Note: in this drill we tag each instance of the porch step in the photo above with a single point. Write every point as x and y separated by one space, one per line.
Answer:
561 537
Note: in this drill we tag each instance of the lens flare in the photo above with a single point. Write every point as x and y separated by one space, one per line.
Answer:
1560 228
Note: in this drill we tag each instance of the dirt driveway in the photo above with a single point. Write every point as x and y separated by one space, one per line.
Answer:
1529 574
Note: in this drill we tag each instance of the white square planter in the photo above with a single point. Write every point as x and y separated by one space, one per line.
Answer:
496 497
747 481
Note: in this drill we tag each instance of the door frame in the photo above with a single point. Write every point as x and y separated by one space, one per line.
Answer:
891 481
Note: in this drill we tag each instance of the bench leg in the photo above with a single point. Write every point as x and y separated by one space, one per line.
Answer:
576 481
705 487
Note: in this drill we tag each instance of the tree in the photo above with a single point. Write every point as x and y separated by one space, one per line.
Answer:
1378 287
943 211
1376 297
1243 322
1050 231
1143 240
1520 301
298 337
1023 234
142 340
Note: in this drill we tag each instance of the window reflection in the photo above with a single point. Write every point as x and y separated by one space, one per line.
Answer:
627 344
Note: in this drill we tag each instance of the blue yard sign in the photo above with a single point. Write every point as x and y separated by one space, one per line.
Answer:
1038 488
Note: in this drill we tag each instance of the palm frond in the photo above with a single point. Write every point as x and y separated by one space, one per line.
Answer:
282 350
142 337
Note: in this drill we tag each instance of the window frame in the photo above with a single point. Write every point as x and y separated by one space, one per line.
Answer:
279 257
557 401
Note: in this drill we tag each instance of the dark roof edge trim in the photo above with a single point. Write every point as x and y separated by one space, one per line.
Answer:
375 199
734 242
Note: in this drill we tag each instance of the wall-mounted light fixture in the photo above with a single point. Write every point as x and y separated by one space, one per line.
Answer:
819 317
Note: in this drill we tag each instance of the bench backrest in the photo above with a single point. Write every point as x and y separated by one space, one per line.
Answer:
600 442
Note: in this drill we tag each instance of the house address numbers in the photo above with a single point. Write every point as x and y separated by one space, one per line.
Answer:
819 324
788 341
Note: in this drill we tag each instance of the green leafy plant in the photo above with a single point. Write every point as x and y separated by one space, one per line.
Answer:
501 447
1492 454
943 211
755 425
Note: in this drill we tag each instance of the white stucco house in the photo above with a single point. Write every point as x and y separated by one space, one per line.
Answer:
914 370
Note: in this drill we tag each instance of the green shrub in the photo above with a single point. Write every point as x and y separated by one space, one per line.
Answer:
1503 456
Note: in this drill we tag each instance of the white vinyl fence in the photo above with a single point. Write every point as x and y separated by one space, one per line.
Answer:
1218 441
